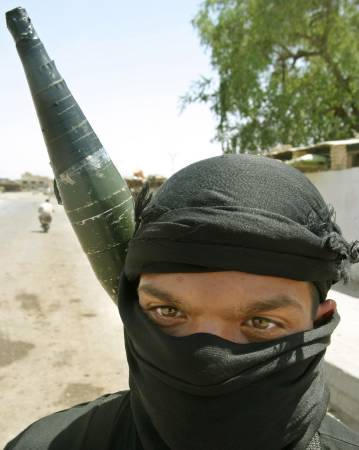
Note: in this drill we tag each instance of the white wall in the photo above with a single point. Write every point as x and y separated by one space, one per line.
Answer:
340 188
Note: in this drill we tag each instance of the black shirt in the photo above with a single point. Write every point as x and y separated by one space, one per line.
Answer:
107 424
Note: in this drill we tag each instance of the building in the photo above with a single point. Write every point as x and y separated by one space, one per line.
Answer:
329 155
136 183
7 185
30 182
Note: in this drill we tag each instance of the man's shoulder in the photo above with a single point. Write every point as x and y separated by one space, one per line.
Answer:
334 435
71 427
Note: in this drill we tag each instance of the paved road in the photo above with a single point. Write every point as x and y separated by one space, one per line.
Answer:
60 335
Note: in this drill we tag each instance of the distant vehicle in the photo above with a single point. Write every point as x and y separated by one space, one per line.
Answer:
45 214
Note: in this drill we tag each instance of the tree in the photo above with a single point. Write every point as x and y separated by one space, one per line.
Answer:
288 71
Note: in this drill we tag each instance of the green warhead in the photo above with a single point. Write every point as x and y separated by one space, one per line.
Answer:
95 196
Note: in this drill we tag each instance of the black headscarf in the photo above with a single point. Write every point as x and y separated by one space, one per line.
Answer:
202 392
239 212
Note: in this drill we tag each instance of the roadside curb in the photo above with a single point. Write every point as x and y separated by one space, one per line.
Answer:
344 395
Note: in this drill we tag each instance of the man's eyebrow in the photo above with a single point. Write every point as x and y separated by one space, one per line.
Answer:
159 294
281 301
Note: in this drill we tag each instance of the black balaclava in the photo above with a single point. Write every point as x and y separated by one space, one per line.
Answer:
202 392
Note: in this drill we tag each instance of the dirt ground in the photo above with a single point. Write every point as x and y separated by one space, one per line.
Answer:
61 337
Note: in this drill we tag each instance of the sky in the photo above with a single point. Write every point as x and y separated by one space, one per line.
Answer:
127 63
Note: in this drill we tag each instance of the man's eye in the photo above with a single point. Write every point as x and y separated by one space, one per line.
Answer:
167 312
261 323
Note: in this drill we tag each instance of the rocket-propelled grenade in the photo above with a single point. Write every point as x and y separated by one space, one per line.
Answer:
95 196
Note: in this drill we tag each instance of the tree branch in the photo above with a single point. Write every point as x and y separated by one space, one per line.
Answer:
341 79
295 56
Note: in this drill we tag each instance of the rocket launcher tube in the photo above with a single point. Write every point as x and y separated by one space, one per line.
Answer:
95 196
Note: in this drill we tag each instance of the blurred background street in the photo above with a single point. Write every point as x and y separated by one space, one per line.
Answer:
60 334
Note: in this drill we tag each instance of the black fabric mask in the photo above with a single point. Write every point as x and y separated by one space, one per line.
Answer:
201 392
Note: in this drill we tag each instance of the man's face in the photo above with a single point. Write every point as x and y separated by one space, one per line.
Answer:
236 306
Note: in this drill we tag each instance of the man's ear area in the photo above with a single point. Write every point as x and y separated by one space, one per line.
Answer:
325 311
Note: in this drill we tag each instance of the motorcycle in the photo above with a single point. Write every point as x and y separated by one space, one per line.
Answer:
45 220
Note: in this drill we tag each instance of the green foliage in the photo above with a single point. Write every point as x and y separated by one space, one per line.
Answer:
288 71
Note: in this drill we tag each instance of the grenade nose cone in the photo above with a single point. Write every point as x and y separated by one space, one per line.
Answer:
19 24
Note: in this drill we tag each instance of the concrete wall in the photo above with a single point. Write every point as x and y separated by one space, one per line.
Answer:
344 395
340 188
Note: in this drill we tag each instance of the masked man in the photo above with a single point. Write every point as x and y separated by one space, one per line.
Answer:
226 318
